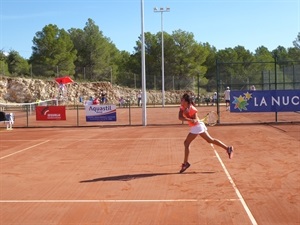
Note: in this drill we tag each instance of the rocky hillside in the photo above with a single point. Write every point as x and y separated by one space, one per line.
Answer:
23 90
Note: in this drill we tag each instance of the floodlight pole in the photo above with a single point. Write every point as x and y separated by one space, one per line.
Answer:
144 96
162 10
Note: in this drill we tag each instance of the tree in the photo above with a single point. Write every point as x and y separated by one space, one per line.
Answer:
188 58
294 54
281 54
262 54
264 64
125 77
16 64
297 41
235 66
183 59
152 57
210 63
226 69
53 52
245 72
96 53
3 63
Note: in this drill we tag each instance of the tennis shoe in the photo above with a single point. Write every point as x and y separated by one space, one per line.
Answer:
230 152
184 166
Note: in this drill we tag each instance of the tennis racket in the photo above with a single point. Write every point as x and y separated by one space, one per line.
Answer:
210 119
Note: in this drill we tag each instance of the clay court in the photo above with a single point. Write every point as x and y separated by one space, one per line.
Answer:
57 173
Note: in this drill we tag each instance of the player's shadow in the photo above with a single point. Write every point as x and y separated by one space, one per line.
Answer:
128 177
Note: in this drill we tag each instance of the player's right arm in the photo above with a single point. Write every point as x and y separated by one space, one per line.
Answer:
183 117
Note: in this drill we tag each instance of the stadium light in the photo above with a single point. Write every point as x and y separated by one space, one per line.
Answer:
144 96
161 10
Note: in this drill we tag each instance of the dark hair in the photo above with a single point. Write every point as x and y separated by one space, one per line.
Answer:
186 97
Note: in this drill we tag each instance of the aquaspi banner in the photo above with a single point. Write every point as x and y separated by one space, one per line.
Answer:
104 113
265 101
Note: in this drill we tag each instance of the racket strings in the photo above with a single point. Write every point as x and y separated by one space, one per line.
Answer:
212 118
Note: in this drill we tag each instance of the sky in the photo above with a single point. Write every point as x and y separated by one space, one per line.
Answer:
221 23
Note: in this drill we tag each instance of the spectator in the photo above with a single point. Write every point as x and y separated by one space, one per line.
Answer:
122 102
96 101
139 98
61 88
253 88
103 97
89 102
10 119
227 97
207 100
214 98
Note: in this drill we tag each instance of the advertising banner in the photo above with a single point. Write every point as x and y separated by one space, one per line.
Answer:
98 113
50 113
265 101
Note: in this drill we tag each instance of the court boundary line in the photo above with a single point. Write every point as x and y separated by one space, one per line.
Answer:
238 193
104 139
221 124
120 200
6 156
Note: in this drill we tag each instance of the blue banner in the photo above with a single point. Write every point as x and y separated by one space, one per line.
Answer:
100 113
265 101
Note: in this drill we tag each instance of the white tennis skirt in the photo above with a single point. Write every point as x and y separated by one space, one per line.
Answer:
198 128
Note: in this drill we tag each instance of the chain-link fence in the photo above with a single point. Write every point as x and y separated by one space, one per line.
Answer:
262 76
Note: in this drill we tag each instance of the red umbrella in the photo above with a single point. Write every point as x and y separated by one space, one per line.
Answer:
64 80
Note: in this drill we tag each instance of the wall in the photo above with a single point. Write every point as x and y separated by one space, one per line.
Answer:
24 90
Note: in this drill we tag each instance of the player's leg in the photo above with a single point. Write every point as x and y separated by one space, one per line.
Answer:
205 135
190 137
229 149
227 105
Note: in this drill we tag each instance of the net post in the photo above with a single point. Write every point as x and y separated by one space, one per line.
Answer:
27 116
218 90
77 108
275 64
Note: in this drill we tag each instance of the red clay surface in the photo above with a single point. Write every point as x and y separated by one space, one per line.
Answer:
128 175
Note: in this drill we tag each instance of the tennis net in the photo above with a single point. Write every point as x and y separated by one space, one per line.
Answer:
28 107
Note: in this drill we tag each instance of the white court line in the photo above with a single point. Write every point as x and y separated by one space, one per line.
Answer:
6 156
104 139
117 201
116 139
18 140
251 217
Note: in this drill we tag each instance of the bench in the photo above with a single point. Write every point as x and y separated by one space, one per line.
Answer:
8 119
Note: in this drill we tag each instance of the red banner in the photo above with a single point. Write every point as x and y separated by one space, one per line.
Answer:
50 113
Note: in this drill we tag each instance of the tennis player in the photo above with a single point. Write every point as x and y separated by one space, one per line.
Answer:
188 112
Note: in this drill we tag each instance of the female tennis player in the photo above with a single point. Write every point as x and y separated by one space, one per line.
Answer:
188 112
